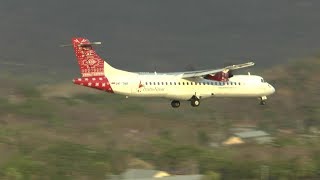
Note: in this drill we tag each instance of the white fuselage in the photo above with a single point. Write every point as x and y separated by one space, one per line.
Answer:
176 88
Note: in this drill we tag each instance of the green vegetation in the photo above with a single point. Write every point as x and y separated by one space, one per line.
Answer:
203 138
90 136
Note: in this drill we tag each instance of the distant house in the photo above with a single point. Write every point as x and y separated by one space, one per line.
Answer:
251 134
257 136
143 174
233 140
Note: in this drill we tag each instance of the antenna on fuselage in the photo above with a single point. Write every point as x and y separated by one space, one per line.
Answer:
155 70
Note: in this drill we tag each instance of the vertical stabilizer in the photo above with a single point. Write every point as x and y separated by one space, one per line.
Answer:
90 63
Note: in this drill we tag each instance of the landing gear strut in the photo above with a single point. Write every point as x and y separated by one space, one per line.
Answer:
175 104
195 102
263 100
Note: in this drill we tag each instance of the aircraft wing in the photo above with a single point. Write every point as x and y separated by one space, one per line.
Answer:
192 74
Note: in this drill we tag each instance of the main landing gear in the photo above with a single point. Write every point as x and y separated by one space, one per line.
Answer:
263 100
195 102
175 104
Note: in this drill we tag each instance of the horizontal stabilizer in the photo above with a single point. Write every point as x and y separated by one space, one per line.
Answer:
82 45
89 44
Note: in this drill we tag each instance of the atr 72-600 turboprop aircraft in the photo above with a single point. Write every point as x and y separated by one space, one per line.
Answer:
190 86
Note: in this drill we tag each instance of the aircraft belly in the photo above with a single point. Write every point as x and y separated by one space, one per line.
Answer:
205 91
121 90
242 91
178 96
179 93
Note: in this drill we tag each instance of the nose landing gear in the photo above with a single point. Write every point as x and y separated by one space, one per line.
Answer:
263 100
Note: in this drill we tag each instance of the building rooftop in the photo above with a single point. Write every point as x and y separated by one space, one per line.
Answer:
251 134
176 177
144 174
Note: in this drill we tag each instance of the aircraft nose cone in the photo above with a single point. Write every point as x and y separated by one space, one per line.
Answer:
272 89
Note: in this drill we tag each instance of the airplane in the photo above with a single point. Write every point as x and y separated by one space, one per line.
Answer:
192 86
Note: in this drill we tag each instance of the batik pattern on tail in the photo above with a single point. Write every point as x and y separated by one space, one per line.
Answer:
89 62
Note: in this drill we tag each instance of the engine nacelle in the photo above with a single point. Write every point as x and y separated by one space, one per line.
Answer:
220 76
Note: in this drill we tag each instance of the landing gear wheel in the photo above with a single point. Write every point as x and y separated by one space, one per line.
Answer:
263 100
195 102
175 104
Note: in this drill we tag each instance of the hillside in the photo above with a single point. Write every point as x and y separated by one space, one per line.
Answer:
64 131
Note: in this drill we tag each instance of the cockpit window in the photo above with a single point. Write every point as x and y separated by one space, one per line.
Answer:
262 80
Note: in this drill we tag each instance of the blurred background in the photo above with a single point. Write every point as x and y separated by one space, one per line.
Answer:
52 129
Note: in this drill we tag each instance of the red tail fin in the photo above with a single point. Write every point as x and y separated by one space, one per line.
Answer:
89 62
